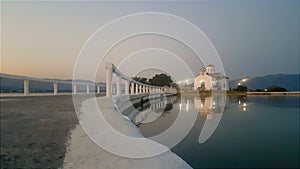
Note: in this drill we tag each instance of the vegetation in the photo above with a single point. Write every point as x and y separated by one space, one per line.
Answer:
141 79
157 80
161 80
276 89
241 88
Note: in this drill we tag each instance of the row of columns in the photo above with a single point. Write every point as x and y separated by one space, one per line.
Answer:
55 88
87 88
130 88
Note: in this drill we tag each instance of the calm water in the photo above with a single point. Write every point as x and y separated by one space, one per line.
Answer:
253 131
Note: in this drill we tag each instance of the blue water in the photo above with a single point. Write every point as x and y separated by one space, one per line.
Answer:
254 132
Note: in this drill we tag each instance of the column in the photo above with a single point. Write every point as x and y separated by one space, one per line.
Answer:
118 86
87 89
132 88
126 87
144 89
26 87
136 88
108 69
74 88
98 88
55 88
140 87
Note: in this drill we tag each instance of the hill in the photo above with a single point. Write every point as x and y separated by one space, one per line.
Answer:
288 81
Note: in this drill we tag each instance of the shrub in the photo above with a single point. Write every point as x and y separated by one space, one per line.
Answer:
276 89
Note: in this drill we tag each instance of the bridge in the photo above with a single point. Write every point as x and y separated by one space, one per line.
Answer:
132 86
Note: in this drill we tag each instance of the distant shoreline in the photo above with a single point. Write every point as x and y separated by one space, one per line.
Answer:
189 93
236 93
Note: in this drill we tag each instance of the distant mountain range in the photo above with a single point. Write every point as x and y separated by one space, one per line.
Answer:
288 81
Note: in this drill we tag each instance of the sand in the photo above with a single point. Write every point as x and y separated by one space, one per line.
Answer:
34 131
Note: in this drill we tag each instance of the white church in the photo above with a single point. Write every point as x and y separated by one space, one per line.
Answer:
208 80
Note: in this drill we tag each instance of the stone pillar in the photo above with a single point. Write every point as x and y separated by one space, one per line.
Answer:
147 89
132 88
144 89
109 73
55 88
118 86
136 88
74 88
140 88
127 87
98 88
87 89
26 87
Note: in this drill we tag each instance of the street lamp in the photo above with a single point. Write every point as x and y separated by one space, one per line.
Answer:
244 80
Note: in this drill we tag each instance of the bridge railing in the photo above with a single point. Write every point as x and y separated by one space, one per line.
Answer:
74 83
131 86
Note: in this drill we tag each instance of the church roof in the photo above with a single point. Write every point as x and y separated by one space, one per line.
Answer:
215 74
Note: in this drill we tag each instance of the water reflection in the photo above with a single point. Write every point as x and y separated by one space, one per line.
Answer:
210 104
153 109
242 103
212 108
236 136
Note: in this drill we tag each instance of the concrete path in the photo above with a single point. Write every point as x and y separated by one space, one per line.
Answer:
83 153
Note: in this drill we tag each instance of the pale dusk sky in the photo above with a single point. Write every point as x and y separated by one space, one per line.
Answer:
253 38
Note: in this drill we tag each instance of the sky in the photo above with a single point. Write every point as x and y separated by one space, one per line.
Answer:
252 38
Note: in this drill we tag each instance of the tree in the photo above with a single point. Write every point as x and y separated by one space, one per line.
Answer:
161 80
241 88
141 79
276 89
157 80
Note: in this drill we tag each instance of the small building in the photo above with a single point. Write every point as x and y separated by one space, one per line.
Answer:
208 80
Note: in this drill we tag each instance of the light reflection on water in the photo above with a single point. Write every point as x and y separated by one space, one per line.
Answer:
253 131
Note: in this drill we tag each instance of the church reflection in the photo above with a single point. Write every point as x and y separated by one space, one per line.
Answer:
212 108
211 104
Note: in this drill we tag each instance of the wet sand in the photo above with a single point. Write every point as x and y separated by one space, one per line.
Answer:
34 130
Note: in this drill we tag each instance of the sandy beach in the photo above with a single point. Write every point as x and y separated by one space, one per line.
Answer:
34 131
